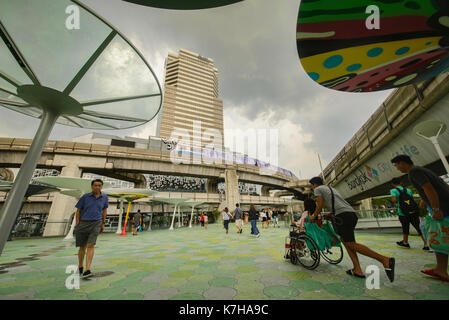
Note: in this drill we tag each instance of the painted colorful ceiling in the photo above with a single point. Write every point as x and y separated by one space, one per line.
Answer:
339 49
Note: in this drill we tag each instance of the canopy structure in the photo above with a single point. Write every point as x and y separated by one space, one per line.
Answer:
92 77
128 195
72 187
78 184
80 72
177 203
184 4
291 204
353 46
191 204
76 187
32 190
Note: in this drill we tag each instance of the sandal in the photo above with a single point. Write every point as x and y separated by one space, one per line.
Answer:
351 273
431 272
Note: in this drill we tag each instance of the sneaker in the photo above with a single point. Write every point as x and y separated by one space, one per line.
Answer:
426 248
402 244
390 270
80 270
258 235
87 274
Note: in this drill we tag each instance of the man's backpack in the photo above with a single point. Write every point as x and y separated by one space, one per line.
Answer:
406 202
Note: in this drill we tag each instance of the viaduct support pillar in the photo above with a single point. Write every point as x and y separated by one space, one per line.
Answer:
62 207
232 189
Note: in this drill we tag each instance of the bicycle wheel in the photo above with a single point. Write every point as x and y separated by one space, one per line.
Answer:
309 258
333 255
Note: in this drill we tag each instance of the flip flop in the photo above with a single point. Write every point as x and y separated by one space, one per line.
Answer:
432 273
390 270
351 273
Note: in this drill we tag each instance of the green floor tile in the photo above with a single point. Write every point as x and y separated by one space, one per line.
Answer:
281 292
198 263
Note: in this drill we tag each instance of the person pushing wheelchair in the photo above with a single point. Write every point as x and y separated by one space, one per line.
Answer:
344 220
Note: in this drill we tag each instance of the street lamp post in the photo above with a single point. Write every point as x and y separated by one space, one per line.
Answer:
431 130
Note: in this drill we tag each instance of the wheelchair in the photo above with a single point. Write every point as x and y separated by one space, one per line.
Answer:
302 249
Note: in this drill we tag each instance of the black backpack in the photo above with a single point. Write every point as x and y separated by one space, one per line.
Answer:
406 202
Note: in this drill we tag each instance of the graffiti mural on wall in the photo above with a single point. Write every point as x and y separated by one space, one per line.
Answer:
344 46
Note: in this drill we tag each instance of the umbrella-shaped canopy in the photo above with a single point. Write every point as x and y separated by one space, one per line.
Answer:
353 46
72 193
129 194
74 184
80 72
174 201
88 73
191 204
33 189
293 203
184 4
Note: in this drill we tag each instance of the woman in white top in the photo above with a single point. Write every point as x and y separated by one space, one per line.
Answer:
263 215
226 216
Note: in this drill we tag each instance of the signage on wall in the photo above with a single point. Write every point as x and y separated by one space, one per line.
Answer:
379 169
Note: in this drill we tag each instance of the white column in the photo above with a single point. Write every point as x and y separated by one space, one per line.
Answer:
69 235
232 188
179 216
173 219
151 217
119 227
191 218
291 218
62 205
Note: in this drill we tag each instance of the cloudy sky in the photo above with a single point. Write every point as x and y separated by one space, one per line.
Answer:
261 80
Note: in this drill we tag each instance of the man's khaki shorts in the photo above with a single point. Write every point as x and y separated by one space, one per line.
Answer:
238 223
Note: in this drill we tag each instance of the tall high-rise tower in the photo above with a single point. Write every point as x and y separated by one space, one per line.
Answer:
191 94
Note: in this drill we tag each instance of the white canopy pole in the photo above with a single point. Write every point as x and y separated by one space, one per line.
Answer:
151 217
69 235
119 227
173 219
191 218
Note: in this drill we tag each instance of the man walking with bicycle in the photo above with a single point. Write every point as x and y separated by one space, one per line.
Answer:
344 220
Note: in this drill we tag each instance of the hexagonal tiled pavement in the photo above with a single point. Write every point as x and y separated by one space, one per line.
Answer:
195 264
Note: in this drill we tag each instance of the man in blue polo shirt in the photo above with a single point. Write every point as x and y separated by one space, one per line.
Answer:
90 218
